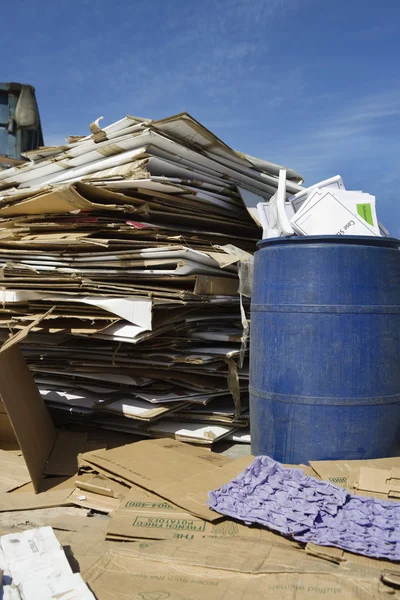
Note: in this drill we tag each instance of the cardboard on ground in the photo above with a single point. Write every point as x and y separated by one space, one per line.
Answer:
379 475
43 449
143 515
216 569
181 474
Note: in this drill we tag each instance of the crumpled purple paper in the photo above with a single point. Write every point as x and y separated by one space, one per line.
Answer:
310 510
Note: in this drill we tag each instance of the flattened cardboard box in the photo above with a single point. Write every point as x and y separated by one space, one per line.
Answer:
376 478
217 569
143 515
13 471
32 501
170 470
27 412
30 419
370 480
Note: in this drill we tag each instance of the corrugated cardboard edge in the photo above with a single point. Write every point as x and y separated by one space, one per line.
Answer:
28 414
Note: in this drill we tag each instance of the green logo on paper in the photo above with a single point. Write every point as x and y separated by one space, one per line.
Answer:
166 523
364 210
155 595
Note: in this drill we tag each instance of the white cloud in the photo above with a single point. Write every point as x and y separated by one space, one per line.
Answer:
372 108
54 139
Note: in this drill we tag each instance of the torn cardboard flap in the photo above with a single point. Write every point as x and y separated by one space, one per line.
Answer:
43 450
184 477
27 412
90 500
97 484
335 555
13 471
391 578
378 481
344 473
21 335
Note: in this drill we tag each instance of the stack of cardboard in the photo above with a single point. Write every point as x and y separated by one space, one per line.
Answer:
122 251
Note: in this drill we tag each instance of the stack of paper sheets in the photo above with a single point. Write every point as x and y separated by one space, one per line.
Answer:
325 208
133 238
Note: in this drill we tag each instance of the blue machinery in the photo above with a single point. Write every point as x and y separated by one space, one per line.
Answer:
20 127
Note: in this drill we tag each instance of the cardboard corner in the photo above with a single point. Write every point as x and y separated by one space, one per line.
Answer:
27 412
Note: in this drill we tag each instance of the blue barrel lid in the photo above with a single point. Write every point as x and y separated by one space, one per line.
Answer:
354 240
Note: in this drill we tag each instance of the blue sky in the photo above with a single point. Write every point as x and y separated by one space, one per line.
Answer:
313 84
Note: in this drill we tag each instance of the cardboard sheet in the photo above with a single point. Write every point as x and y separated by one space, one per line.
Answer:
90 525
143 515
245 570
377 475
63 460
91 500
83 548
28 414
97 484
13 471
170 471
373 480
33 501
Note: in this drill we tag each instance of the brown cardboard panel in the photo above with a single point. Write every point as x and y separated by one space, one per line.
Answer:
370 480
76 523
167 469
346 473
219 286
13 471
7 434
48 484
94 501
145 516
61 200
64 456
83 548
21 335
28 414
218 569
97 484
32 501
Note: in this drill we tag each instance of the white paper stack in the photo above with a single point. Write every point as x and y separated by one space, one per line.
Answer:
325 208
35 566
336 212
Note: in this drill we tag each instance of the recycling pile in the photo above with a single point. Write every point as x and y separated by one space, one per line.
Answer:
121 251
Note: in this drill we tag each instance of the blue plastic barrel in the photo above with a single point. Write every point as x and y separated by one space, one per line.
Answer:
325 348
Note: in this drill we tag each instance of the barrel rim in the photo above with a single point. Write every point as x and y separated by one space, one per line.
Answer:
350 240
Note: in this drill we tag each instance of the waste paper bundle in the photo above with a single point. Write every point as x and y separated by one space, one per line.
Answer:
122 251
325 208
